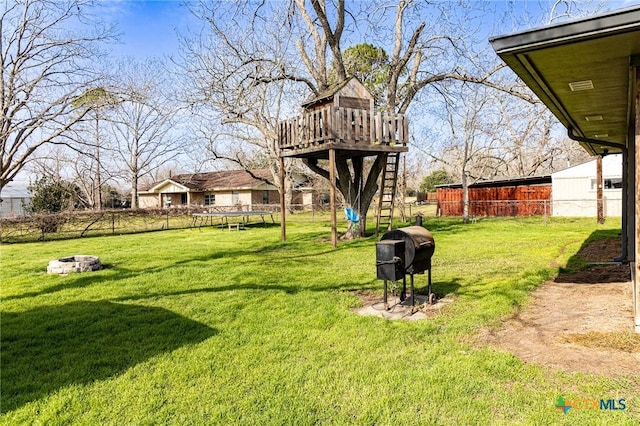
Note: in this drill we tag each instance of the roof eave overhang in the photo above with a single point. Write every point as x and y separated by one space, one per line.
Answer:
516 51
165 182
622 20
256 187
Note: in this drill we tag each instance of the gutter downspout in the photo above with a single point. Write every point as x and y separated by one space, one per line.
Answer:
591 142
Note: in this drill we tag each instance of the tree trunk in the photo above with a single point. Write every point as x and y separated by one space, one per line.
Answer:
276 171
134 192
465 198
135 174
288 194
357 192
98 190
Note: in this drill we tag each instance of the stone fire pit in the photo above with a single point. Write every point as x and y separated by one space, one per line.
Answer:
77 263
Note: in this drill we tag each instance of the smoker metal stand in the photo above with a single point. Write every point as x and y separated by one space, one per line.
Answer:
403 293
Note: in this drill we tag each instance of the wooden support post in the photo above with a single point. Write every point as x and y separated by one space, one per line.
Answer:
624 255
635 264
283 226
599 194
332 196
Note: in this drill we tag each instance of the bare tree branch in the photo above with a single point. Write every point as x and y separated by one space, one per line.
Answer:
141 122
45 63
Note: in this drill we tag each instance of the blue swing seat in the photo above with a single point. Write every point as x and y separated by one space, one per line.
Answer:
351 215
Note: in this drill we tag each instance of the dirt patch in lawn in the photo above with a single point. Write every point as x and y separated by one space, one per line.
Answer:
372 304
580 322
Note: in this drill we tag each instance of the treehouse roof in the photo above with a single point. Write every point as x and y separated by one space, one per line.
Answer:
351 87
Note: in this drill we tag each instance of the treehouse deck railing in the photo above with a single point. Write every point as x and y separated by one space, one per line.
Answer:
343 125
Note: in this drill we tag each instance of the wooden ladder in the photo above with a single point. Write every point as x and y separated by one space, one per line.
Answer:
388 183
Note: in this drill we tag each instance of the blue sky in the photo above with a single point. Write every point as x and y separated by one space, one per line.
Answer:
147 27
150 27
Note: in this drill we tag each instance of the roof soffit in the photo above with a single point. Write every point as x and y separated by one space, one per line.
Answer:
596 49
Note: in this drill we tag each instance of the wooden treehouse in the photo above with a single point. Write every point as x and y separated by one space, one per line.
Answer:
342 122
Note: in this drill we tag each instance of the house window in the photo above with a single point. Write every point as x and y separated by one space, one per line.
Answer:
209 199
613 183
235 197
183 199
265 197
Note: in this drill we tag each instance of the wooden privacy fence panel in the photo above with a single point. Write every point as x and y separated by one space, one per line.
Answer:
348 125
497 201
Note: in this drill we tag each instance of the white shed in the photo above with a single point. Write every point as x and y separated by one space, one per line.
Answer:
574 189
12 199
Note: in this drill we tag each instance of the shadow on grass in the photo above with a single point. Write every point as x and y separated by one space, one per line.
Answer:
586 266
77 280
297 248
71 281
580 260
440 288
241 228
287 289
116 272
50 347
285 251
451 225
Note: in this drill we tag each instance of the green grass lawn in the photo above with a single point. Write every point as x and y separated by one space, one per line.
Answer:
208 326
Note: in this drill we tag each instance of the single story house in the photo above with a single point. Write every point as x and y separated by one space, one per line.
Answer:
13 198
239 189
574 188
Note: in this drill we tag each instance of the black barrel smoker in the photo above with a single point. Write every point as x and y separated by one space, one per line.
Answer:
405 251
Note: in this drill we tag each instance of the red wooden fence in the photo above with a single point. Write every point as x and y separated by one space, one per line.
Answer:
497 201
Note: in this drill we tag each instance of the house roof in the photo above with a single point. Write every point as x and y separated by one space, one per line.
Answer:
611 168
210 181
16 189
581 71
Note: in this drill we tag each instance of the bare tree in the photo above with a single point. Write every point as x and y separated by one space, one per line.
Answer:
489 134
530 141
142 121
97 100
46 53
422 56
570 9
243 69
474 149
248 58
239 82
57 162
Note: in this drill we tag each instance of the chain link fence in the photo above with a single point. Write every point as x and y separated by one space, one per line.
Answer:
77 224
514 208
